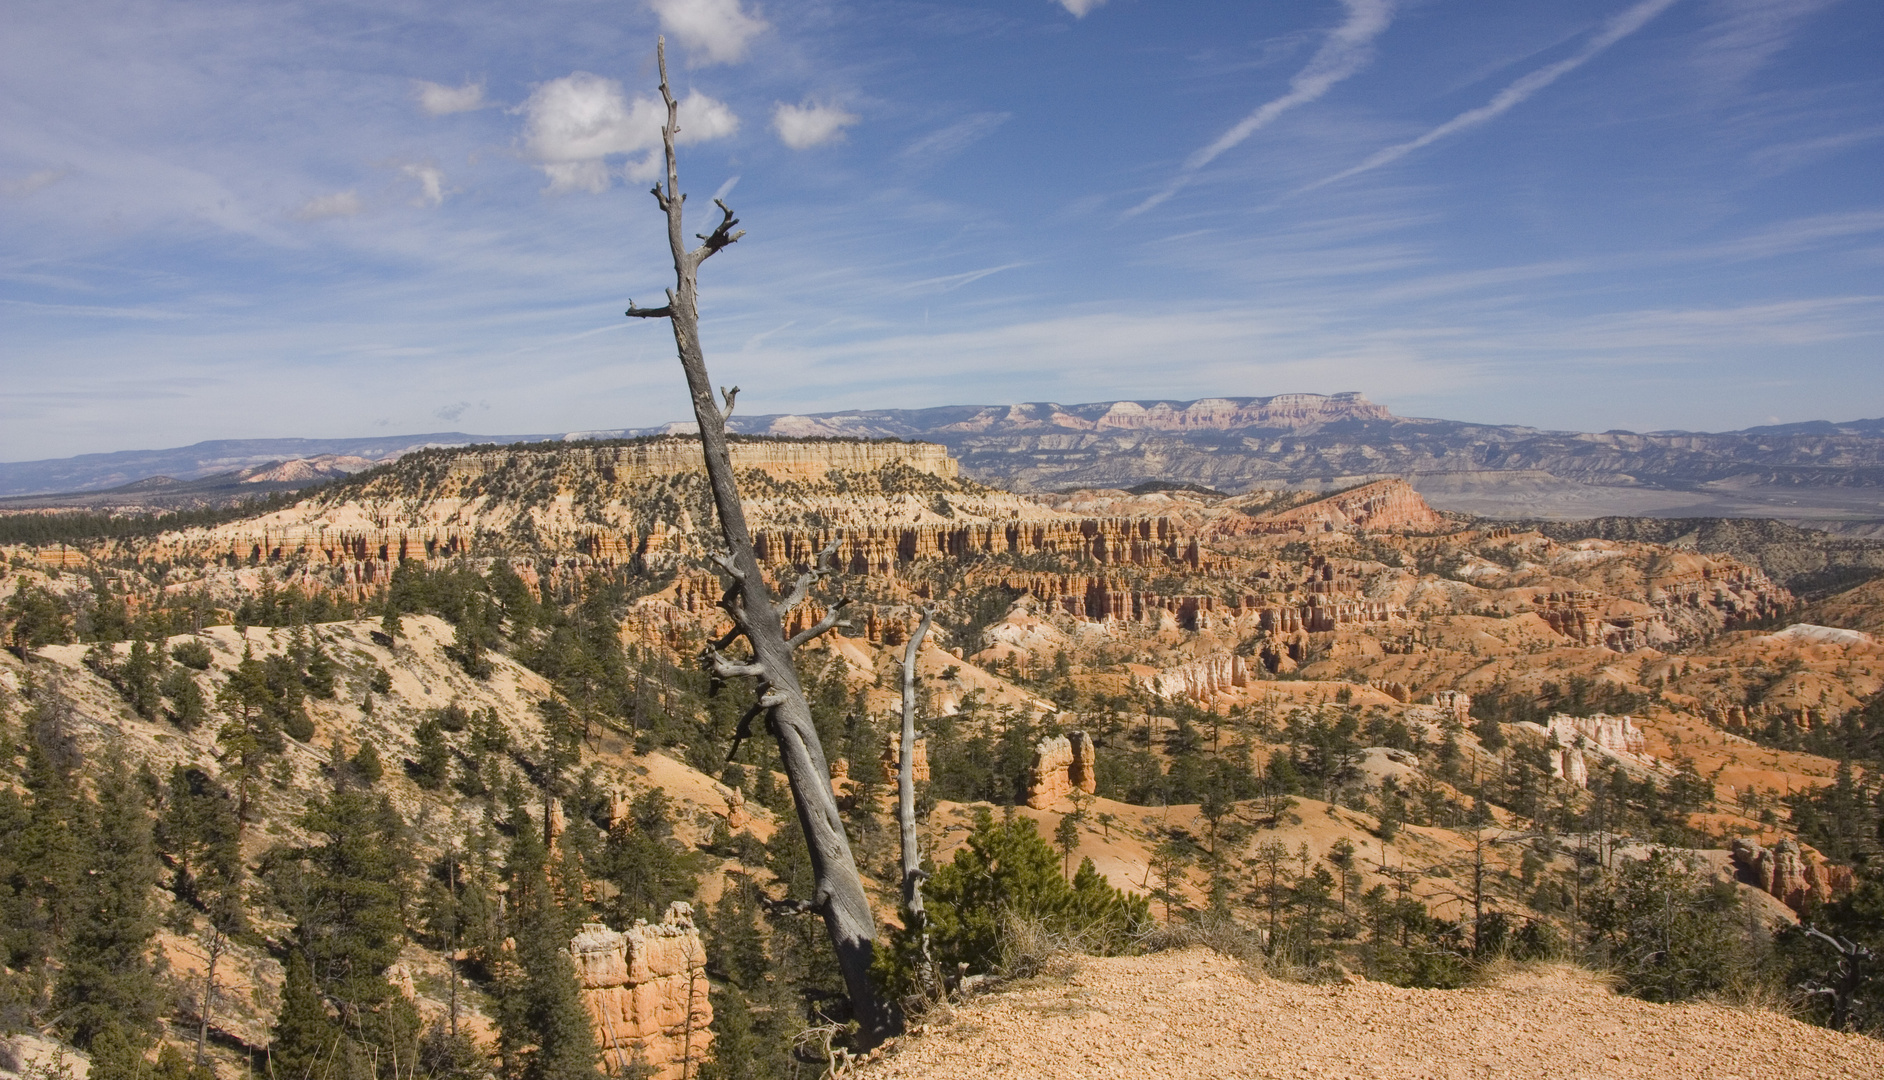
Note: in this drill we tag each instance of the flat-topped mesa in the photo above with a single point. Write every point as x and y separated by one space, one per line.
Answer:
642 460
1382 506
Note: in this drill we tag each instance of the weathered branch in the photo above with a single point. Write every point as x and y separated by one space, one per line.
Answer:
801 588
665 311
729 395
721 236
831 619
789 906
724 667
744 730
915 918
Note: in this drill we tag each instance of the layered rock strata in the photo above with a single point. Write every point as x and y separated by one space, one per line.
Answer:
646 992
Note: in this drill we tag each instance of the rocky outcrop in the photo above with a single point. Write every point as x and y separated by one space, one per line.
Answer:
1571 740
1615 734
1199 680
1792 874
893 760
1062 765
1591 618
646 992
1382 506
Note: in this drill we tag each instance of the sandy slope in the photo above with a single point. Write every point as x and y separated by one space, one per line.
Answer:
1194 1014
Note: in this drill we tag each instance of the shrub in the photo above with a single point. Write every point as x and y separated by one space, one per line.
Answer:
1007 880
192 654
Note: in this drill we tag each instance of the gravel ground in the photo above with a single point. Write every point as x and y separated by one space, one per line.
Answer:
1195 1014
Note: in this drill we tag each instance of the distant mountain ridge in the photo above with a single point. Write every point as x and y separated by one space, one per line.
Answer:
1817 470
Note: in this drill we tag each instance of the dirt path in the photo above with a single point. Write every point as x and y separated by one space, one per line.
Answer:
1195 1015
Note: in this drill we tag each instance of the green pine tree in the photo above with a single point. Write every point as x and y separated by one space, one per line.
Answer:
304 1042
107 979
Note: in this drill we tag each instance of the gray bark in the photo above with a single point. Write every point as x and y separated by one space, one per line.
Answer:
839 894
915 919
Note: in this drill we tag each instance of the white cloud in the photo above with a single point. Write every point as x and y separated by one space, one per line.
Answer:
577 122
802 127
1079 8
1520 91
1347 50
431 181
26 185
439 100
717 31
339 204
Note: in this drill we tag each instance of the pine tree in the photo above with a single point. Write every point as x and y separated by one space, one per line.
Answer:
251 733
107 978
544 1027
304 1041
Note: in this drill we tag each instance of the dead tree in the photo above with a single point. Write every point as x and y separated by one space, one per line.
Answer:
1855 962
915 919
758 617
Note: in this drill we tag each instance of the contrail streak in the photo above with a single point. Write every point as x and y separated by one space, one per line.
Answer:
1514 95
1347 50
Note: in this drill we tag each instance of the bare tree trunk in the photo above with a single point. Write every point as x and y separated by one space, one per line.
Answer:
758 618
216 942
915 919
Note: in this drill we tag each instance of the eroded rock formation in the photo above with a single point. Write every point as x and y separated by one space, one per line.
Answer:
646 991
1063 764
1199 680
1790 873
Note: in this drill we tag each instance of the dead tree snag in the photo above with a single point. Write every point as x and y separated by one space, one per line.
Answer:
758 617
915 919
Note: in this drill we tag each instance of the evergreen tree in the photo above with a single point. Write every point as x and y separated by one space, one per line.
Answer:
304 1041
544 1030
434 764
189 709
251 734
1006 870
107 978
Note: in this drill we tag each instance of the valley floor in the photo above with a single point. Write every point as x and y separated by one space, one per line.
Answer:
1196 1014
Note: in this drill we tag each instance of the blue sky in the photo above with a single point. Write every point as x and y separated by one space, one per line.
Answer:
263 218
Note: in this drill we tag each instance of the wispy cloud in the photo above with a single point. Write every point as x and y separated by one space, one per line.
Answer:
802 127
951 282
320 207
431 181
1080 8
1347 49
1749 33
440 100
714 31
1617 28
26 185
949 141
